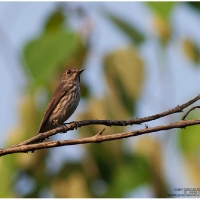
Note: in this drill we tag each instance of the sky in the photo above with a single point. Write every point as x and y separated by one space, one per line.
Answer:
21 21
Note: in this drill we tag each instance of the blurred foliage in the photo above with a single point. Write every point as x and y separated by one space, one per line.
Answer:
122 68
189 142
194 4
106 169
161 19
59 48
191 50
163 9
163 29
130 31
65 44
55 21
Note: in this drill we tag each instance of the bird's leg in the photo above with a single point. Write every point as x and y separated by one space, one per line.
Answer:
77 124
55 123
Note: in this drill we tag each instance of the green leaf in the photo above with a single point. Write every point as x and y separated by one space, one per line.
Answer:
163 9
45 54
55 21
7 169
132 173
124 72
195 5
136 36
189 138
191 50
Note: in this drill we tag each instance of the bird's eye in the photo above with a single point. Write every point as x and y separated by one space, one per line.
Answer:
68 71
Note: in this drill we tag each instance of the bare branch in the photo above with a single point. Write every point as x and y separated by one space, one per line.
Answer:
29 145
96 138
75 125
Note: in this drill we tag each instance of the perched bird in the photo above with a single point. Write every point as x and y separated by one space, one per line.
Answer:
64 101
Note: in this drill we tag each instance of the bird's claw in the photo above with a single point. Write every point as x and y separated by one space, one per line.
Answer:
75 122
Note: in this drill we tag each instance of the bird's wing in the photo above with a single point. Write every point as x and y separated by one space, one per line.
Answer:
60 91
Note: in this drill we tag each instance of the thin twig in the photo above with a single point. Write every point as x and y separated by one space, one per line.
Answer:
100 132
187 113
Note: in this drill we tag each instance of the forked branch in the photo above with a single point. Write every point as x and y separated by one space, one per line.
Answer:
29 146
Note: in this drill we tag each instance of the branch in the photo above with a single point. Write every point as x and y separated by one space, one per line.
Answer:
187 113
29 145
96 138
75 125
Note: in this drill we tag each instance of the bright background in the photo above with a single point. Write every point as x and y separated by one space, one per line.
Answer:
140 59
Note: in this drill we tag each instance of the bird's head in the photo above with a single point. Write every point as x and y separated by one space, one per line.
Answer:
72 74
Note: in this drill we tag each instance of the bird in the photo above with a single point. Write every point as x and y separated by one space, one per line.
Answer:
64 101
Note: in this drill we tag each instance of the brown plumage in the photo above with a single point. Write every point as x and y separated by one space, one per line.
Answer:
64 101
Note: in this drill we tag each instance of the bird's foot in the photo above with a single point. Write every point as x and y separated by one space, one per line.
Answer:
75 122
